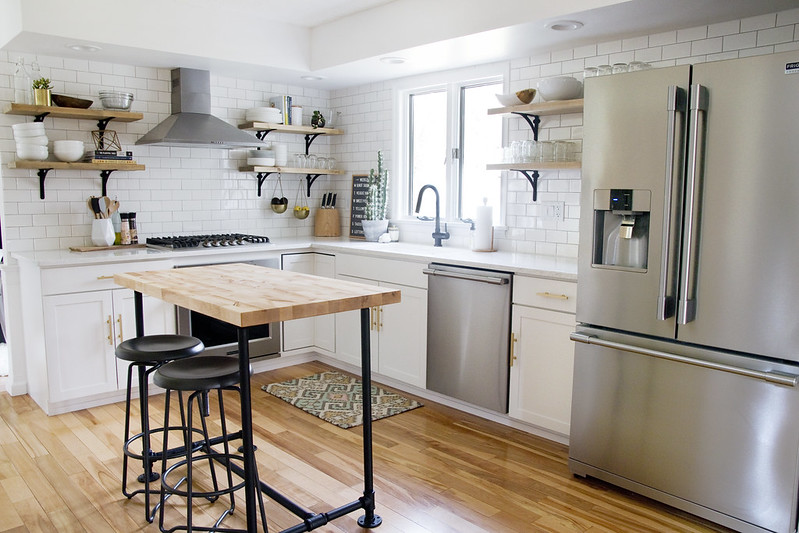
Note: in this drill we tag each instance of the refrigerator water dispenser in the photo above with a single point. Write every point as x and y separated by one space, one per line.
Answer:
621 228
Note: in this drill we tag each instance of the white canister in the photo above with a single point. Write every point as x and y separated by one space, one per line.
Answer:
281 154
102 232
296 115
484 228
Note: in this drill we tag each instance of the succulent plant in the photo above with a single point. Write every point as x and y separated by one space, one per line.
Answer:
377 193
42 83
317 119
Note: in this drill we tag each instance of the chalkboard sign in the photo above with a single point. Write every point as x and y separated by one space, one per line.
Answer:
360 187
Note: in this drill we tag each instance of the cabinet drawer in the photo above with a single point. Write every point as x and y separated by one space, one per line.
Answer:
92 277
545 293
378 268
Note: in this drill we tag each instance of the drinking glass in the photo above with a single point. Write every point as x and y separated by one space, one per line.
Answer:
562 150
546 150
331 163
299 160
619 68
590 72
311 161
516 150
604 70
528 150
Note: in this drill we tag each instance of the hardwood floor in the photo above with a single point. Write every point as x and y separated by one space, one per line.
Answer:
436 470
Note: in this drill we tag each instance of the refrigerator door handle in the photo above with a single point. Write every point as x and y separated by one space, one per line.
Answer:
699 102
672 197
778 378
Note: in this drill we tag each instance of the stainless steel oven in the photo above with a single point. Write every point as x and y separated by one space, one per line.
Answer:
221 338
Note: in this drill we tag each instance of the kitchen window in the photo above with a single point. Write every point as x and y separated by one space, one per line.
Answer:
448 140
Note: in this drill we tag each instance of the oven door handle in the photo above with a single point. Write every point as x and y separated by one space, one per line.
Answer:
779 378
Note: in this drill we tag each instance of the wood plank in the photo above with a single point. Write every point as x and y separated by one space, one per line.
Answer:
248 295
557 107
288 128
72 112
64 165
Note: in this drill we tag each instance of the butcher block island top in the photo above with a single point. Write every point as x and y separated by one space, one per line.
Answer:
250 295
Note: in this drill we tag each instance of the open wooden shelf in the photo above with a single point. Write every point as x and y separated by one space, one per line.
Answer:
557 107
290 170
72 112
536 165
63 165
284 128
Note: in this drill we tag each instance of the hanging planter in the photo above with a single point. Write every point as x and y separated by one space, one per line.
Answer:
279 204
301 209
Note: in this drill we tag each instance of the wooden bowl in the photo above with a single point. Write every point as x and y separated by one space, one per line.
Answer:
68 101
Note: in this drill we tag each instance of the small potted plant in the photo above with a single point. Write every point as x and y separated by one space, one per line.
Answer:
375 221
41 91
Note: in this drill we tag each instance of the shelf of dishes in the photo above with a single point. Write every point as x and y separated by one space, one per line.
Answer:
290 170
71 112
289 128
536 165
556 107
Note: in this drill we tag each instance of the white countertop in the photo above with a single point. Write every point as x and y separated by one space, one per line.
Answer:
524 264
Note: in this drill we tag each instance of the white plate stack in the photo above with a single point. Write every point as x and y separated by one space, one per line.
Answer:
264 114
31 141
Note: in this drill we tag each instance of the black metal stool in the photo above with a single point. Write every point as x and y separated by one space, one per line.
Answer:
200 375
146 354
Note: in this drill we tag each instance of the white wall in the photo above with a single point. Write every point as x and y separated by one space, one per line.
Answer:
201 190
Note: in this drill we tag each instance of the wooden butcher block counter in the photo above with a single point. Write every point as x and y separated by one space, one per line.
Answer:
250 295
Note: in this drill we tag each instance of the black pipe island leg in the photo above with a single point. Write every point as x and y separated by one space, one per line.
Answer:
250 472
370 519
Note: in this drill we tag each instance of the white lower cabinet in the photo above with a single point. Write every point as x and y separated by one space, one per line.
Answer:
542 357
82 331
398 338
317 331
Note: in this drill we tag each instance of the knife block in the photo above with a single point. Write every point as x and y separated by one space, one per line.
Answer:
327 223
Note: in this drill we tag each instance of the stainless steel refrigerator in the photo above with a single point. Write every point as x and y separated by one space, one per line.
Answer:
687 352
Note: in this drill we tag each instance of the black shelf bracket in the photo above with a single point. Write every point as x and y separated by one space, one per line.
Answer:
532 120
42 173
309 139
40 117
533 179
261 134
102 124
310 178
261 179
105 174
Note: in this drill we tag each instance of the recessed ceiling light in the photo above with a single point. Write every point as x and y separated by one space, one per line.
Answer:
309 77
565 25
84 47
392 60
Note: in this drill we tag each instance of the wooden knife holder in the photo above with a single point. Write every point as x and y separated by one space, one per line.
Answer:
327 223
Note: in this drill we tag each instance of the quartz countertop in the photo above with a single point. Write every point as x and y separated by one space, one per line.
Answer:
525 264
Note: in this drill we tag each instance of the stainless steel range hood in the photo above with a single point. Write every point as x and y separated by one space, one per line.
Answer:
191 123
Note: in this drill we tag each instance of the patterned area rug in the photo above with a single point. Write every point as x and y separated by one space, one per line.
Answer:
336 398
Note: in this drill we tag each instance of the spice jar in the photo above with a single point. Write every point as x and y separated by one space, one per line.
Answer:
125 228
134 235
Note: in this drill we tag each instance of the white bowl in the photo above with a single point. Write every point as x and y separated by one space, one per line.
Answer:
261 161
41 140
561 88
264 114
31 152
68 150
516 98
28 129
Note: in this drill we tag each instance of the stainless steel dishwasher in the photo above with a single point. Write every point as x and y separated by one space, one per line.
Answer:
468 334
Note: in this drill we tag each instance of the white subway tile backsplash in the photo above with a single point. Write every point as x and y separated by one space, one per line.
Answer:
739 41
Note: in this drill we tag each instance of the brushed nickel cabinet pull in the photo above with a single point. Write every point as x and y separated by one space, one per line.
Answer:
105 277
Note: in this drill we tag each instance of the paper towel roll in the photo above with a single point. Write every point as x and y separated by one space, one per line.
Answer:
483 228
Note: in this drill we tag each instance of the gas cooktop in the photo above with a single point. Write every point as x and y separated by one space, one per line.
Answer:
205 241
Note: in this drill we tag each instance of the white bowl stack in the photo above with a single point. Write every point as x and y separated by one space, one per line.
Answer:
31 141
68 150
264 114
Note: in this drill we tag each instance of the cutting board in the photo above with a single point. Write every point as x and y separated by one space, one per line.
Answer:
112 247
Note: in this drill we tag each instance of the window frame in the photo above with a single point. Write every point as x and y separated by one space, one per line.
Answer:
452 82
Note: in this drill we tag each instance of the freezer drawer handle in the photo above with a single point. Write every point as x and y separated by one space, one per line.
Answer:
773 377
548 294
470 277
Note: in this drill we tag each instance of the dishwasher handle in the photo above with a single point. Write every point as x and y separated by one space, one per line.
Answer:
494 280
779 378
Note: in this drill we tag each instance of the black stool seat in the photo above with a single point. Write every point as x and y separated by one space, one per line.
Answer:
157 348
199 373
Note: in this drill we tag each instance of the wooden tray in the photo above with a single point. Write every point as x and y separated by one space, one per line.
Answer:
112 247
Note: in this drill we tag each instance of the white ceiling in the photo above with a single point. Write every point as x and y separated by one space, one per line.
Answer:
340 40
